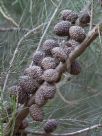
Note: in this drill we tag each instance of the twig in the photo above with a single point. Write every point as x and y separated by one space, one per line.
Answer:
92 35
91 15
72 102
8 18
65 134
2 29
66 119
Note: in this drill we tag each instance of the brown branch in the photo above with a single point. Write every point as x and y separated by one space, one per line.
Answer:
91 36
85 130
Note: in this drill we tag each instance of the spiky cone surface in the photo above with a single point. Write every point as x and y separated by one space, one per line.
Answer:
34 72
69 15
38 57
16 92
59 54
28 84
75 68
48 45
51 75
39 98
69 46
24 124
36 112
77 33
67 49
62 28
48 90
50 125
73 43
49 62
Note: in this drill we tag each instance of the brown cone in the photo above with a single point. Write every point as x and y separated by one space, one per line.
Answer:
39 98
49 62
36 112
50 125
48 90
34 72
75 68
69 15
77 33
59 54
62 28
48 45
28 84
51 75
38 57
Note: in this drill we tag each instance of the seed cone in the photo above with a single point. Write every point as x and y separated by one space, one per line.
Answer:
16 91
59 54
28 84
77 33
39 98
48 90
49 62
38 57
84 17
75 68
62 28
51 75
36 112
73 43
69 15
67 48
34 72
48 45
50 125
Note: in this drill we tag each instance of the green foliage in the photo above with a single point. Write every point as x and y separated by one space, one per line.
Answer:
85 89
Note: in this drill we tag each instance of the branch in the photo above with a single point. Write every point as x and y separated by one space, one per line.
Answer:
65 134
3 29
91 36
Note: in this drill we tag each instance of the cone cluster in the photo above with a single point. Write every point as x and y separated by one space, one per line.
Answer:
38 81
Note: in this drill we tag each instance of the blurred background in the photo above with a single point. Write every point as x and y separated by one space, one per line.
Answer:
17 17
